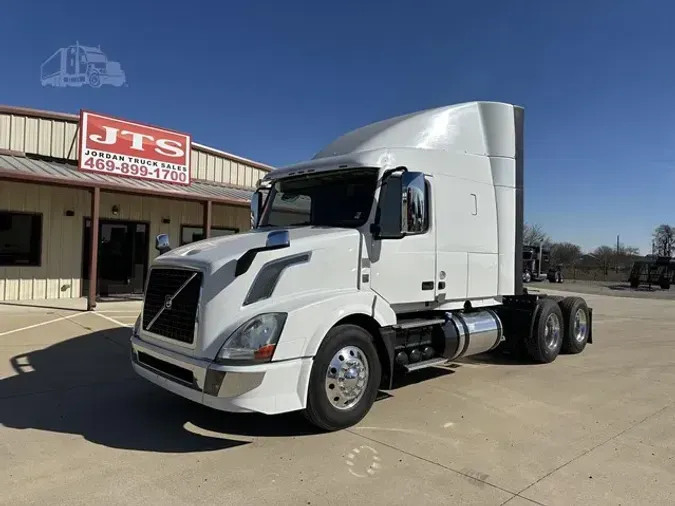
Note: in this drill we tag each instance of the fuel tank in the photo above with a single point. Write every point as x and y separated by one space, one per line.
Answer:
471 333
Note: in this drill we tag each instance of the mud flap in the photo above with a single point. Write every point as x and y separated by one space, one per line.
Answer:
590 325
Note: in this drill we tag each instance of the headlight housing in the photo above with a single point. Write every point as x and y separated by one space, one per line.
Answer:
254 341
137 327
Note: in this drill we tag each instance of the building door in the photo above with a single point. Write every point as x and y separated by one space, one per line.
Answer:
123 251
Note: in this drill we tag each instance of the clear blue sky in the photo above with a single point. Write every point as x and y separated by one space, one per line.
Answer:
274 81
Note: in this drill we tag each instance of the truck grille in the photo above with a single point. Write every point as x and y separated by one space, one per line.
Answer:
173 294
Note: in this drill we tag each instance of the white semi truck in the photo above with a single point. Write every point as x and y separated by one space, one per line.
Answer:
397 247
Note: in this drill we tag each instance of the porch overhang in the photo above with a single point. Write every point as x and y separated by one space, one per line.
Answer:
17 167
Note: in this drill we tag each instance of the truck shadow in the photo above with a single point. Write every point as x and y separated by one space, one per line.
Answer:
85 386
494 358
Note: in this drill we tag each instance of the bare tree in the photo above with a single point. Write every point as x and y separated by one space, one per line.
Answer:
664 240
533 235
624 255
565 253
605 255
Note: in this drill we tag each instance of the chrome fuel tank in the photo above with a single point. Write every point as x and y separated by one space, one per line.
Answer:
471 333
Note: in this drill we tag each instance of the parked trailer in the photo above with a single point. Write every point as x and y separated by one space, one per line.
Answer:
537 265
659 271
392 250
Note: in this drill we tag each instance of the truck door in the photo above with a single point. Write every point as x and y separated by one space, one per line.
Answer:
403 269
72 66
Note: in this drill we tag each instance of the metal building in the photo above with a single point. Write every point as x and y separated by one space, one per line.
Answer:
48 247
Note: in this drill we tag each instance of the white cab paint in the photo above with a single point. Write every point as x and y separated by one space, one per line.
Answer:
468 155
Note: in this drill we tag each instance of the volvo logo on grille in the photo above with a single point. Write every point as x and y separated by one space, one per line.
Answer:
168 301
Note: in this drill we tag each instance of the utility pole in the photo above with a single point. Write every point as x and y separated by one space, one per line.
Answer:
616 263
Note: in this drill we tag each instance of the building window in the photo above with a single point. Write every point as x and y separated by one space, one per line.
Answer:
20 239
189 233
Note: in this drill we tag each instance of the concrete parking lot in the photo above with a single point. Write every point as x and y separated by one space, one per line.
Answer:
79 428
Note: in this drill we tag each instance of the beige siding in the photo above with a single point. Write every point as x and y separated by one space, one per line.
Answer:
40 136
209 167
59 275
60 139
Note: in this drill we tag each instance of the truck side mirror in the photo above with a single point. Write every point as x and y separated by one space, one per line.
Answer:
256 202
162 243
413 203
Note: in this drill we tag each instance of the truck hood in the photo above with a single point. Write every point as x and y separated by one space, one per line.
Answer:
319 261
210 255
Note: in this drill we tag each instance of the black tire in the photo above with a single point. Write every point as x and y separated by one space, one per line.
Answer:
569 307
536 341
665 284
320 411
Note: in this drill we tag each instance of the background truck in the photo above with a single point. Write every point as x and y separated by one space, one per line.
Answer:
537 265
659 271
79 65
396 248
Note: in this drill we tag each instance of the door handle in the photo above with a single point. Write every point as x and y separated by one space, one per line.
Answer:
427 285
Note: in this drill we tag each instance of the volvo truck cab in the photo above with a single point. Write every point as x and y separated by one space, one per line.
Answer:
397 247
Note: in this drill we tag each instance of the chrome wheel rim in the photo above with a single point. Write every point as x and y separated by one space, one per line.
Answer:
580 325
552 331
347 377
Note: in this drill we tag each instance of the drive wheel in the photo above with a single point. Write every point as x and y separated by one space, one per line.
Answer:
344 380
576 318
545 339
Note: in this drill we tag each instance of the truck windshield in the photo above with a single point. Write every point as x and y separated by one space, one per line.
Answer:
332 199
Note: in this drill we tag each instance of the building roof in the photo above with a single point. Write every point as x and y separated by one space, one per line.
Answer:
18 167
75 118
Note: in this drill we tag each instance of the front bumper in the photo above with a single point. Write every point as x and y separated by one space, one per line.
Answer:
272 388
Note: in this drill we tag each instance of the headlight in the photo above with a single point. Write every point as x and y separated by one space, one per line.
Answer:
137 326
255 340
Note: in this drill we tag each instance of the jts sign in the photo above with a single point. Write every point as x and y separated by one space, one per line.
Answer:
124 148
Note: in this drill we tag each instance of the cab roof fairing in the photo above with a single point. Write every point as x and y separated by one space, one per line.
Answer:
476 128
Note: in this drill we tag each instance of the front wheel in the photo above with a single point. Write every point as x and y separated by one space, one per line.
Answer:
344 380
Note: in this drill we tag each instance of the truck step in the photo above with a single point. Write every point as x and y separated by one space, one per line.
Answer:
419 322
426 363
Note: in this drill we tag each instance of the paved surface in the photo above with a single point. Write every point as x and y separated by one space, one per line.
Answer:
594 429
609 288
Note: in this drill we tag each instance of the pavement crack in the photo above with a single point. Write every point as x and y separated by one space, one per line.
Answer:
593 448
524 498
